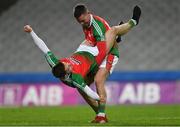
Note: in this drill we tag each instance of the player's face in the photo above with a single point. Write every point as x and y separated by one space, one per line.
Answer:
84 20
68 67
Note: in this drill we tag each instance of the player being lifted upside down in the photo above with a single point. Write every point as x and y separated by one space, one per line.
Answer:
74 70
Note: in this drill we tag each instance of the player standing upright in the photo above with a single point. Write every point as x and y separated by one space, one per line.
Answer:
95 29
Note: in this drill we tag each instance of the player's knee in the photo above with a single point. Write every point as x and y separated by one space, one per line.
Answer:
100 77
98 80
111 32
102 98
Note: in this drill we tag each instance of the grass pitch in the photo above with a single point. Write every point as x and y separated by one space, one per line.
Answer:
121 115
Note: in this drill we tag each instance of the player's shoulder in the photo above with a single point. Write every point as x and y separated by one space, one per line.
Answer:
99 18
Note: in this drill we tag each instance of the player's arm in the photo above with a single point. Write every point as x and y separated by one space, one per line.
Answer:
50 57
77 81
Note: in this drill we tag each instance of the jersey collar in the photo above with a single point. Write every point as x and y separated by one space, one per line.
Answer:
91 19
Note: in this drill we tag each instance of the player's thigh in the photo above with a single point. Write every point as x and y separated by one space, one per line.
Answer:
106 68
110 37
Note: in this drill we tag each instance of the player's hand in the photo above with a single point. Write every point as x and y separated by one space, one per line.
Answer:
136 13
27 28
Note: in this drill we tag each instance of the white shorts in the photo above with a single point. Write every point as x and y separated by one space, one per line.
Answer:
110 63
93 50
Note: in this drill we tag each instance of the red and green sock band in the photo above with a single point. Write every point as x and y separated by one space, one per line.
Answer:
101 108
132 22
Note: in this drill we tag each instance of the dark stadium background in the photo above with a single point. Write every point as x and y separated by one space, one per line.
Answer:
147 73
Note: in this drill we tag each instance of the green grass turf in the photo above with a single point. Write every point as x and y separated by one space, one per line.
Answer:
82 115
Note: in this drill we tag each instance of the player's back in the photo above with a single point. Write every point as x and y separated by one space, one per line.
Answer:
81 62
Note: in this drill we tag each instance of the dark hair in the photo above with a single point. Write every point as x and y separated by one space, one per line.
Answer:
79 9
59 70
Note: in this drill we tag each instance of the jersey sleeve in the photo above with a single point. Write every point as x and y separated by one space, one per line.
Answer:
99 31
78 81
51 59
99 35
74 80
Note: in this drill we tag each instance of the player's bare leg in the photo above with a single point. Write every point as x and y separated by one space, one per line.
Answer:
111 34
100 80
122 29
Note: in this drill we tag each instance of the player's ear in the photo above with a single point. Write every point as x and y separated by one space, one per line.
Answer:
59 70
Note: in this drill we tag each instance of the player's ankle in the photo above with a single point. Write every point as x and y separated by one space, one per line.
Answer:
102 114
132 22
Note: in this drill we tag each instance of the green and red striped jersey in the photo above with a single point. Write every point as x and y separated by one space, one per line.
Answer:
82 63
96 33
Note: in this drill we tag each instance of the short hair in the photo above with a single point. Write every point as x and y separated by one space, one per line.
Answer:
79 9
59 70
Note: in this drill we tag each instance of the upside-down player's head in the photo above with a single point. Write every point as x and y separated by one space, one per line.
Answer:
82 15
59 70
